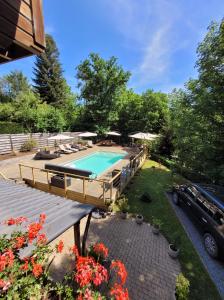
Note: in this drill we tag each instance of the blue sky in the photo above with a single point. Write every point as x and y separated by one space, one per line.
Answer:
155 39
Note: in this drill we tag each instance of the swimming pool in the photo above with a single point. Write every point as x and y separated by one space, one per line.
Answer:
98 162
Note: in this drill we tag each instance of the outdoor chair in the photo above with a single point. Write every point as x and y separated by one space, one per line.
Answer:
63 150
68 147
89 144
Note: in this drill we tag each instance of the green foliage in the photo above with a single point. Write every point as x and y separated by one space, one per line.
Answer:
100 82
157 222
146 113
197 113
182 287
28 145
10 127
122 204
11 85
49 81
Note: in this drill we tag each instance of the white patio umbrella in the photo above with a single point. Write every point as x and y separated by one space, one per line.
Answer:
87 134
59 137
144 136
113 133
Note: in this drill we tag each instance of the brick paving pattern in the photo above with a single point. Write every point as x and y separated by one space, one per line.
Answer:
151 272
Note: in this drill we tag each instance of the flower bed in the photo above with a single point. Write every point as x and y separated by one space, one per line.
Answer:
28 277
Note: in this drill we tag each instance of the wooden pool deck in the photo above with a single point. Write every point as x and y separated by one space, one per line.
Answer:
83 190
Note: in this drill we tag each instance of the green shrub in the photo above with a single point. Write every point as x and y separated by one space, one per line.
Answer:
10 127
182 287
145 197
28 145
122 203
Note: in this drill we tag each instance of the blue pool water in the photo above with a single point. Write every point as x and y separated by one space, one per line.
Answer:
97 162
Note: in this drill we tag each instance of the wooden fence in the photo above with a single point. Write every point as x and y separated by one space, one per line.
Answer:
13 142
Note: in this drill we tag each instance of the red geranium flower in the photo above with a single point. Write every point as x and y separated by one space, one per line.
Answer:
41 239
37 270
119 292
15 221
25 267
33 230
20 242
101 250
119 267
59 247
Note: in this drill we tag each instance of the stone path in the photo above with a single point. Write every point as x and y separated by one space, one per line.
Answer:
151 272
214 267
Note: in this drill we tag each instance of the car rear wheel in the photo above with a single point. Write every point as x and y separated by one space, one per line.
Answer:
175 198
211 245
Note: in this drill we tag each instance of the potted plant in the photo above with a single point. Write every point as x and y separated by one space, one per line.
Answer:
139 219
182 287
174 248
123 207
157 223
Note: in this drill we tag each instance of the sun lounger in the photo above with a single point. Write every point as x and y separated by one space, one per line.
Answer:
63 150
45 155
79 147
68 147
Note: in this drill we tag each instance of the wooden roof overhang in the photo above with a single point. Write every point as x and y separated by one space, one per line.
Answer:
21 29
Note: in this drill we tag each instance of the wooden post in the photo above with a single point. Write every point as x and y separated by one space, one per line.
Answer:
103 192
111 190
84 187
77 236
11 143
65 182
33 175
48 181
20 171
86 234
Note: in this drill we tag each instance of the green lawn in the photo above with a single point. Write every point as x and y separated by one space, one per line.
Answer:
156 182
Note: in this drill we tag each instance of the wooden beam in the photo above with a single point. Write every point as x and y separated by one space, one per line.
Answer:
86 234
7 12
77 236
21 7
38 23
5 42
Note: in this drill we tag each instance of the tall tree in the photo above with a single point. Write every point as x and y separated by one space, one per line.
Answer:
100 82
198 112
11 85
49 81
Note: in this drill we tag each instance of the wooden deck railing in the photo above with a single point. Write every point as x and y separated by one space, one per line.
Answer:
106 184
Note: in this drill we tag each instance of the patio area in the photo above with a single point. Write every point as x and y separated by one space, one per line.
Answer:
151 272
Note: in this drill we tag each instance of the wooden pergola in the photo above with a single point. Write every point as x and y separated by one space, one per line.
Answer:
21 29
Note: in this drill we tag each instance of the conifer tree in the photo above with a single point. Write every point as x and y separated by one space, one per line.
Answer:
49 81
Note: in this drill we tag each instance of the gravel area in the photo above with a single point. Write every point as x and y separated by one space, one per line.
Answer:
214 267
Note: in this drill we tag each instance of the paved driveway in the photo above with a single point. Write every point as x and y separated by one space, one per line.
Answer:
214 267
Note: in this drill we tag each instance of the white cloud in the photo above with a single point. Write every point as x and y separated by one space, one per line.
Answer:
149 26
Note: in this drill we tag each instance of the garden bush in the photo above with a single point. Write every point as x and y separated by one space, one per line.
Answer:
182 287
28 145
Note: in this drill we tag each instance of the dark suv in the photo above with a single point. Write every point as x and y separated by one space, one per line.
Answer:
206 204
